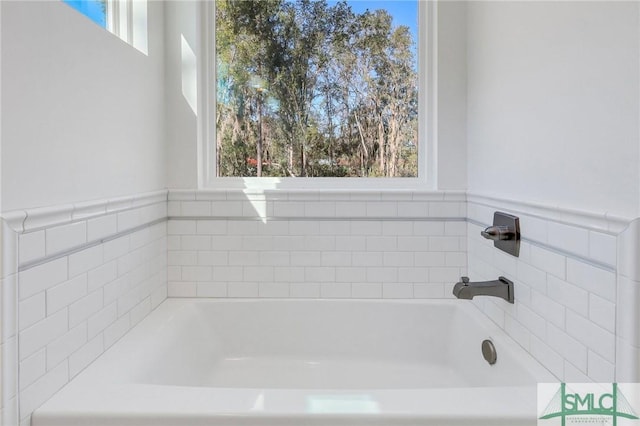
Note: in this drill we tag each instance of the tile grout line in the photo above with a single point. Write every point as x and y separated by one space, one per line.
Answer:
322 218
28 265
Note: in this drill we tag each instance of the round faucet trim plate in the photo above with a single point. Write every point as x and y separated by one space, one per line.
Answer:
489 352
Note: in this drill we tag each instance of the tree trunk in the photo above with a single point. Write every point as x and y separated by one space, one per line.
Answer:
259 142
381 146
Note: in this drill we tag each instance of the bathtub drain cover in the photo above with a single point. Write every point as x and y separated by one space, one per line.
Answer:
489 351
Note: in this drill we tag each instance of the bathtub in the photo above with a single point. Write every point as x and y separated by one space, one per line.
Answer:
304 362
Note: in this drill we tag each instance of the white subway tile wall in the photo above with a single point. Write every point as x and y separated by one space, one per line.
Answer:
298 257
82 286
565 291
92 271
315 244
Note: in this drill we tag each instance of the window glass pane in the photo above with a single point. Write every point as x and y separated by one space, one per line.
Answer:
316 88
96 10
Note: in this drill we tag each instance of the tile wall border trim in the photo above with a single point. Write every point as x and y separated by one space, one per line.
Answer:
314 195
600 222
32 264
555 249
31 220
322 218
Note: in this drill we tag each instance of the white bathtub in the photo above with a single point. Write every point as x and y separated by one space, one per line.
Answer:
303 362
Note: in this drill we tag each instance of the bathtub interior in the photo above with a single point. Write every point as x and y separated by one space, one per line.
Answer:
305 344
286 362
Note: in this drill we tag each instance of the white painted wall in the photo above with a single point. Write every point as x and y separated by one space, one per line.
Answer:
552 92
83 112
0 130
452 95
553 103
181 123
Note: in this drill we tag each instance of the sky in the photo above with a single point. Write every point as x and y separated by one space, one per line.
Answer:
404 12
91 8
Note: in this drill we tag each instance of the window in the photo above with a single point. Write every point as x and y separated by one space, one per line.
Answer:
313 88
126 19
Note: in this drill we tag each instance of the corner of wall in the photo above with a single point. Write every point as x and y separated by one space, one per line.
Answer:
628 303
8 329
87 273
566 303
180 70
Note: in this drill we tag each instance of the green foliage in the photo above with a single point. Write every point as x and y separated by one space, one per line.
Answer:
308 89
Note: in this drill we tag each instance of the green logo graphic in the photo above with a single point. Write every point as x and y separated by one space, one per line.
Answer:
565 403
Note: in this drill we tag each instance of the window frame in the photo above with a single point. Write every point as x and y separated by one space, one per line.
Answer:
427 114
127 20
121 21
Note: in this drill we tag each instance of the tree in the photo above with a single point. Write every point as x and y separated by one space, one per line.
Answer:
305 89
